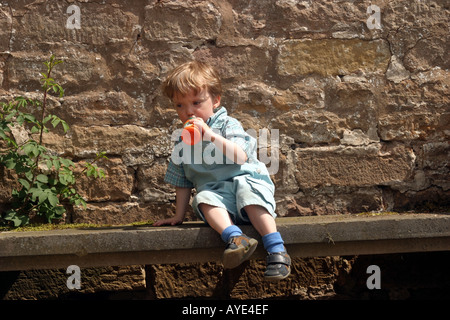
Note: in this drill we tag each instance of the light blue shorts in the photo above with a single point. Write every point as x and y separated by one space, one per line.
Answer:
233 195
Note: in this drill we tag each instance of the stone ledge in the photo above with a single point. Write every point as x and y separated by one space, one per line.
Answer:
194 242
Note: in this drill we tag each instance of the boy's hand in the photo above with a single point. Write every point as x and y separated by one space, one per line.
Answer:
168 222
202 126
182 199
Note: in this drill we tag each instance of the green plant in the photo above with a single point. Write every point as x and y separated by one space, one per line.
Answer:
45 182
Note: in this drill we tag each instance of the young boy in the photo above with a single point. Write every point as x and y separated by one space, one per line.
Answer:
234 191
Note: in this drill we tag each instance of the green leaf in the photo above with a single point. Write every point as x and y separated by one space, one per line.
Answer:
20 119
67 162
35 129
29 175
31 149
60 210
9 163
63 179
42 178
47 118
65 126
29 118
52 199
57 164
41 195
16 218
55 121
41 149
11 115
24 183
21 102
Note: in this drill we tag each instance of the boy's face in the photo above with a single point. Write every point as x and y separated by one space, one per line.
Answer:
200 105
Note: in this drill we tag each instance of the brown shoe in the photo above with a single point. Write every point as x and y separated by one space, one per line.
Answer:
239 249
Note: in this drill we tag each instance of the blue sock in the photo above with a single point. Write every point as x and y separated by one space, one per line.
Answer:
230 231
273 242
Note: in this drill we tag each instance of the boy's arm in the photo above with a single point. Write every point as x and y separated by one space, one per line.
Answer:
183 196
230 149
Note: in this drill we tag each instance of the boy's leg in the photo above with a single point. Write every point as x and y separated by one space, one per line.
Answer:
239 246
278 261
261 220
218 218
265 224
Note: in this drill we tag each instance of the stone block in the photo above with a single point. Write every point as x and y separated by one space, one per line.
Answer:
421 36
243 63
355 166
311 127
332 57
102 108
187 280
100 24
310 278
52 284
181 21
295 20
413 126
81 71
7 183
120 140
150 183
115 213
333 200
117 185
5 29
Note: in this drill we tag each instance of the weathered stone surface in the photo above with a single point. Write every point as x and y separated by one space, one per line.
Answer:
150 183
237 63
114 140
201 20
396 71
101 24
294 20
113 213
7 183
83 70
102 108
332 57
117 185
5 29
52 284
334 200
359 166
417 33
310 279
186 280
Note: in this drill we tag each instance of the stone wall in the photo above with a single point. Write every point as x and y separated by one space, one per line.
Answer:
361 108
359 94
414 276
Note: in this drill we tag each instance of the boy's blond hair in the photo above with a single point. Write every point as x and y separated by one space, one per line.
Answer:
193 75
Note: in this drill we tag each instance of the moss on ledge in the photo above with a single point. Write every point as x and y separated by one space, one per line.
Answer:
52 226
